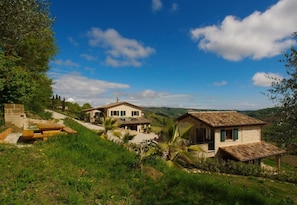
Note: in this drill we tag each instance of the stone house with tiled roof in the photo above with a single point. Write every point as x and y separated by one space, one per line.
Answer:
230 135
129 116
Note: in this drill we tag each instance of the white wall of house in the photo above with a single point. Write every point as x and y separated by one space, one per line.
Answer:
124 111
251 134
246 134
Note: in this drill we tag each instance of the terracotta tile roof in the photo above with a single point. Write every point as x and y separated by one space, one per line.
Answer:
224 118
250 151
110 105
119 103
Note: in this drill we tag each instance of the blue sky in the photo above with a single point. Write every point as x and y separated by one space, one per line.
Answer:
182 53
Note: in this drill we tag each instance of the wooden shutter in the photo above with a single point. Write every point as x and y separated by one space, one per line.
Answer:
223 135
235 134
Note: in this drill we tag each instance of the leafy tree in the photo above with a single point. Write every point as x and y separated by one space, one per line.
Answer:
86 106
16 84
42 95
284 94
176 148
26 31
27 44
74 110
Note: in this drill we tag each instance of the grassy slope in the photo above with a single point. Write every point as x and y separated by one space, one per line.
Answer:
83 169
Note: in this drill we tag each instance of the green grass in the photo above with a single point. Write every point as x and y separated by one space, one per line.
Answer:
288 162
84 169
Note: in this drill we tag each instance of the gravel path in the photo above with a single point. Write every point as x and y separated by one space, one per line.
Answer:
137 139
13 138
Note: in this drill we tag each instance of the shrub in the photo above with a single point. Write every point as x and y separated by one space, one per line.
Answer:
240 168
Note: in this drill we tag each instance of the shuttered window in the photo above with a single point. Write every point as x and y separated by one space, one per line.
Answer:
223 135
235 134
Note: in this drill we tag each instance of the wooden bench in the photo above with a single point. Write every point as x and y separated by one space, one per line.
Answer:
46 130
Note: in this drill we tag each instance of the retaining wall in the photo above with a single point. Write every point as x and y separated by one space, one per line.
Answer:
14 115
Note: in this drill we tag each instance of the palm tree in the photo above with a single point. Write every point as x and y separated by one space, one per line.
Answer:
108 124
127 137
124 138
176 149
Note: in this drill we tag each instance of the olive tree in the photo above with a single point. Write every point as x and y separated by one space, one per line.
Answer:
27 44
284 94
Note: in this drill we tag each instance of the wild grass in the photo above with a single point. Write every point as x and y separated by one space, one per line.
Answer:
84 169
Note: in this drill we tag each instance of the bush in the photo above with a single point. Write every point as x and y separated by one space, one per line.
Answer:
240 168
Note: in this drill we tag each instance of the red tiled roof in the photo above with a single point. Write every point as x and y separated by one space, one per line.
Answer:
224 118
119 103
110 105
250 151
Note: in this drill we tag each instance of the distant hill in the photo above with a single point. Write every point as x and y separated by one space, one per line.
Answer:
267 114
158 115
165 111
170 112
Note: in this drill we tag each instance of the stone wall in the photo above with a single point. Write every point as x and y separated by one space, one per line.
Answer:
14 116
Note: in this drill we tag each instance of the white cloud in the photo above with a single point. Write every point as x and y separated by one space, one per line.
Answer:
88 57
157 5
155 98
220 83
149 94
266 79
72 41
174 7
82 89
77 88
110 61
120 51
68 63
259 35
70 100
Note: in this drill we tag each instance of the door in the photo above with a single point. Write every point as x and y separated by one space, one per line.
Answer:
211 142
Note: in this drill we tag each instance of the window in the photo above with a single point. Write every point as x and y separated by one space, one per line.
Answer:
135 113
114 113
123 113
236 134
230 134
223 135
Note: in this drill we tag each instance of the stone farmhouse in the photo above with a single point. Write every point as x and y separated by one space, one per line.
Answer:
230 135
129 116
